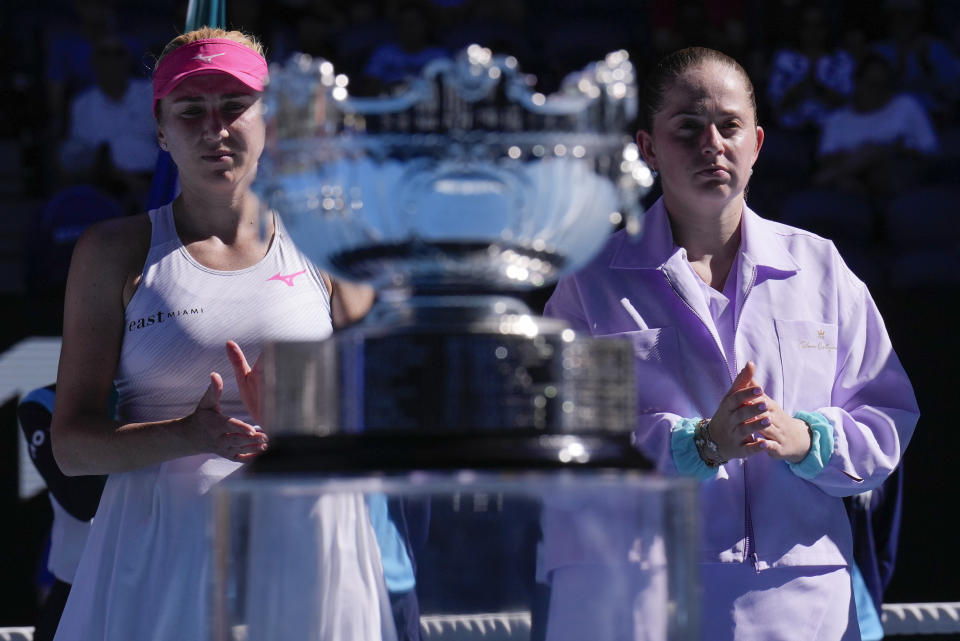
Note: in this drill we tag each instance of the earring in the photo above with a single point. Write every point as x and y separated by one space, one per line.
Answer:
163 146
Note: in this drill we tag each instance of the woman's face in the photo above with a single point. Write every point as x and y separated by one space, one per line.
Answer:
213 127
705 138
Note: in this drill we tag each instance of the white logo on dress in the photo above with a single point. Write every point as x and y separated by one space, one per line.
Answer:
206 59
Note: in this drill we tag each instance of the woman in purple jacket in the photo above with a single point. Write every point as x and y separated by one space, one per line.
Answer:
764 368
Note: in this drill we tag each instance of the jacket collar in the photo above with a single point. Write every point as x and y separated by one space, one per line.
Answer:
760 244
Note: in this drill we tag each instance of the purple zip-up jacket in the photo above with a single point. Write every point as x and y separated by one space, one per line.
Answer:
819 345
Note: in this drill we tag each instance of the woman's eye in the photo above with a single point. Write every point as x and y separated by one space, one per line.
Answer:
234 107
192 111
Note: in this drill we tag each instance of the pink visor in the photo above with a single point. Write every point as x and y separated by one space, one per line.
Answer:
213 55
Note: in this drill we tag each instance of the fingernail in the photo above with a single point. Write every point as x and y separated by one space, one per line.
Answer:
756 391
763 445
765 421
761 407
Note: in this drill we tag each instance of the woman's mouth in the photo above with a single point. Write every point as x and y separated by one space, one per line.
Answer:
218 156
714 171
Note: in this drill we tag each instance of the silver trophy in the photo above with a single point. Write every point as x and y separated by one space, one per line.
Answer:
454 466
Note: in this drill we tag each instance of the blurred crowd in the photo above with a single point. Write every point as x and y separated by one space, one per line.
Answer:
859 100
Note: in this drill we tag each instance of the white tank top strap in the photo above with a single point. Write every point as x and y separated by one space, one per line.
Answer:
163 229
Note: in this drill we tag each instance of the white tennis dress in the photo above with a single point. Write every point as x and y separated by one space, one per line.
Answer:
145 572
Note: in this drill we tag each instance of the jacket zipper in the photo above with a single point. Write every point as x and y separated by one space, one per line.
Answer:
749 548
749 545
700 318
736 326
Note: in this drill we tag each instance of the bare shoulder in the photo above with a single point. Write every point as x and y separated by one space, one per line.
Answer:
108 257
117 240
112 253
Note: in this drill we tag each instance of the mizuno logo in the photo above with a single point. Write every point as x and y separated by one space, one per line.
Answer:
206 58
288 279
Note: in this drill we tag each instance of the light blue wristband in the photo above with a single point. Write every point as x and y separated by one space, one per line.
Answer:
821 445
684 451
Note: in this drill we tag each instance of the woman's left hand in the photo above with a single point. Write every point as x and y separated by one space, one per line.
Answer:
249 380
785 437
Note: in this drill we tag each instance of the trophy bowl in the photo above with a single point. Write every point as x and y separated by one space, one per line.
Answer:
466 179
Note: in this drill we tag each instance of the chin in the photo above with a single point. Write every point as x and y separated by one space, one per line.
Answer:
224 181
716 192
720 196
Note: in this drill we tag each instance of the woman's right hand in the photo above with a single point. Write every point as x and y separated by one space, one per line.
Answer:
228 437
738 417
249 380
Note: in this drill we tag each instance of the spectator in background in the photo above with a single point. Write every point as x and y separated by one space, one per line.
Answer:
809 80
873 146
69 56
409 51
923 65
111 131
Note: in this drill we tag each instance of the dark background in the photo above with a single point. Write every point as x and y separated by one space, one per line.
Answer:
549 37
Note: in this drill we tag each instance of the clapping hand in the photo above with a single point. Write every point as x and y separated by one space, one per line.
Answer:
739 416
229 437
748 422
249 380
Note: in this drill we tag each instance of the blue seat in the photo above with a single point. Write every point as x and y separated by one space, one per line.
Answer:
850 221
845 218
923 233
927 217
51 237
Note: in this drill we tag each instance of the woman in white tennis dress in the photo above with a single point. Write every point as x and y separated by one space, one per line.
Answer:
150 303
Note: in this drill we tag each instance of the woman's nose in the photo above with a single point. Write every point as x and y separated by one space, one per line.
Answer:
214 126
712 141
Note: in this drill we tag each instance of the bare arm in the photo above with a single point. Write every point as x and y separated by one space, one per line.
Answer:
349 302
103 274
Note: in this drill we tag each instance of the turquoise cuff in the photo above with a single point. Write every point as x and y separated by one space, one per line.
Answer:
821 445
684 451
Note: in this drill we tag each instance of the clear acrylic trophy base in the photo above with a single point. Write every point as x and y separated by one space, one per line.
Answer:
454 469
435 555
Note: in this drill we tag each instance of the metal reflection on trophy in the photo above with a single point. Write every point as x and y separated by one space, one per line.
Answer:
466 180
